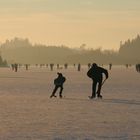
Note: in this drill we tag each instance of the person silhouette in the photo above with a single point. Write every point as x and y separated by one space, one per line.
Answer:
110 66
16 67
96 74
79 67
58 82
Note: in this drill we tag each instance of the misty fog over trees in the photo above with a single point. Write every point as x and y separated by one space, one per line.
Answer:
22 51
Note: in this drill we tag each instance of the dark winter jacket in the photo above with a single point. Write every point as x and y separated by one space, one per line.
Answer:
59 81
96 73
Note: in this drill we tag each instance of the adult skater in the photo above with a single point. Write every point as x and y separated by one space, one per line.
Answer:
96 74
58 82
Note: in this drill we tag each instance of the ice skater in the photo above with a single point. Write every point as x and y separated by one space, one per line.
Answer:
96 74
58 82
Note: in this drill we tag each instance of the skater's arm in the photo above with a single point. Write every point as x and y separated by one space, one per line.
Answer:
105 72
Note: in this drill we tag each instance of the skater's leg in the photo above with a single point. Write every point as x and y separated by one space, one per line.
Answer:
54 91
60 93
94 89
99 89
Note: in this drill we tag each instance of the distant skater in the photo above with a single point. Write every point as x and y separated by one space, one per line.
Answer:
96 74
26 66
79 67
13 66
51 66
138 67
58 82
16 67
110 66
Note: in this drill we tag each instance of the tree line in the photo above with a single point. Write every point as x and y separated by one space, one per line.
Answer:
22 51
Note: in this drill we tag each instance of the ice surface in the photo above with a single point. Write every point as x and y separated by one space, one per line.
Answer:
27 112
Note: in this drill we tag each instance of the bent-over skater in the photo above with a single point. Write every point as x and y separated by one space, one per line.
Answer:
96 74
58 82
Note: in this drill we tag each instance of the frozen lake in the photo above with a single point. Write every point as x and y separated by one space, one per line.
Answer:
27 112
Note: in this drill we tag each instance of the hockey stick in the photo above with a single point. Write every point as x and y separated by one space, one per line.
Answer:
103 82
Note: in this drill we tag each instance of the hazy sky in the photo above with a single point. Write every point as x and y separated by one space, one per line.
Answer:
97 23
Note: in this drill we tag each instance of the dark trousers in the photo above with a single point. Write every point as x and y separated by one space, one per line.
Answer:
94 85
55 89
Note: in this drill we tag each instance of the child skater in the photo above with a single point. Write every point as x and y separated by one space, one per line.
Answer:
58 82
